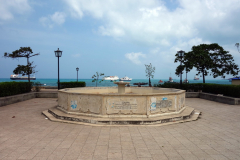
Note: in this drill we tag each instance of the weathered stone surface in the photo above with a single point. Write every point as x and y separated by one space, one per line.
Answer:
136 101
189 114
89 103
63 100
125 105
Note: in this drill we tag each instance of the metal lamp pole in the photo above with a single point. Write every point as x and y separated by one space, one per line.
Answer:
181 55
58 54
77 73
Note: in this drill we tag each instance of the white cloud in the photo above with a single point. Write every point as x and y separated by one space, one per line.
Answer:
115 31
135 57
155 50
76 55
57 18
9 8
151 22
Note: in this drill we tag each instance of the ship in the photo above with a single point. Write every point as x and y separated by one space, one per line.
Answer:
113 78
18 77
196 78
170 80
125 79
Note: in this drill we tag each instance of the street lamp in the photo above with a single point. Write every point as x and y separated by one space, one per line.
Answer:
181 55
58 54
77 73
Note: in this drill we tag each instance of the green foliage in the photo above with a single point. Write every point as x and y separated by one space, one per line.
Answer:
186 63
23 52
72 84
226 90
25 69
209 59
150 70
96 77
13 88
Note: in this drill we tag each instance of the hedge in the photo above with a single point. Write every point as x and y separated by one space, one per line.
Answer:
225 89
13 88
72 84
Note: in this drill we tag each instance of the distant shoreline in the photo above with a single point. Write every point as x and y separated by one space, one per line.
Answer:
53 81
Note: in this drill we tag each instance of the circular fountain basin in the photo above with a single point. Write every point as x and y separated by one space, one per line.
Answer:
142 102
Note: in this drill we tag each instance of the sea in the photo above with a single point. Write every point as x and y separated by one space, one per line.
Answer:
107 83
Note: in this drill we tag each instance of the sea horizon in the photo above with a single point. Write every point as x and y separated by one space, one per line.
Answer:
107 83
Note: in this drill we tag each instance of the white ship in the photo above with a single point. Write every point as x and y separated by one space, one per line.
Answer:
17 77
113 78
125 79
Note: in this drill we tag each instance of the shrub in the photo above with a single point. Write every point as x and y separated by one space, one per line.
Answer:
13 88
37 86
72 84
225 89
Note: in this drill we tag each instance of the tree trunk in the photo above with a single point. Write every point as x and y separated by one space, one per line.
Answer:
28 69
203 76
150 85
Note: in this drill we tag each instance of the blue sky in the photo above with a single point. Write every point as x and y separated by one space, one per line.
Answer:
114 37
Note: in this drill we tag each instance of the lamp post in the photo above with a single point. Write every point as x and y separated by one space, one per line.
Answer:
58 54
181 55
77 73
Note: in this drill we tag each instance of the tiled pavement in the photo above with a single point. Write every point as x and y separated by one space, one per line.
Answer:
28 135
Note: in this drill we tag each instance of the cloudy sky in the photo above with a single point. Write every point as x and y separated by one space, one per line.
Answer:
115 37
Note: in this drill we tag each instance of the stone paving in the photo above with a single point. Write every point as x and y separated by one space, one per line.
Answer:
26 134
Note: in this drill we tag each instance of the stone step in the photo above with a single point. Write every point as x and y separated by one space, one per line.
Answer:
189 114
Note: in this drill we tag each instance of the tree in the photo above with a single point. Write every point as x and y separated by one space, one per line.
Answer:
186 64
149 72
23 69
237 45
96 77
211 59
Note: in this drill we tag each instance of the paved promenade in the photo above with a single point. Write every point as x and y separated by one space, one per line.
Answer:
26 134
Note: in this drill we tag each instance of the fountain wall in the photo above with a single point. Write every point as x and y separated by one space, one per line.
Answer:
135 102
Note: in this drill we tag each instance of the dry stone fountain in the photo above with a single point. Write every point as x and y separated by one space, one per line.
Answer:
121 106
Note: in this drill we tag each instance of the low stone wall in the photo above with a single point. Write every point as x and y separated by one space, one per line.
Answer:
26 96
46 95
219 98
16 98
213 97
192 94
23 97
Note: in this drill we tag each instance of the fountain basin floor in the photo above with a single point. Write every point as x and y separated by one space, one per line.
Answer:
105 106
